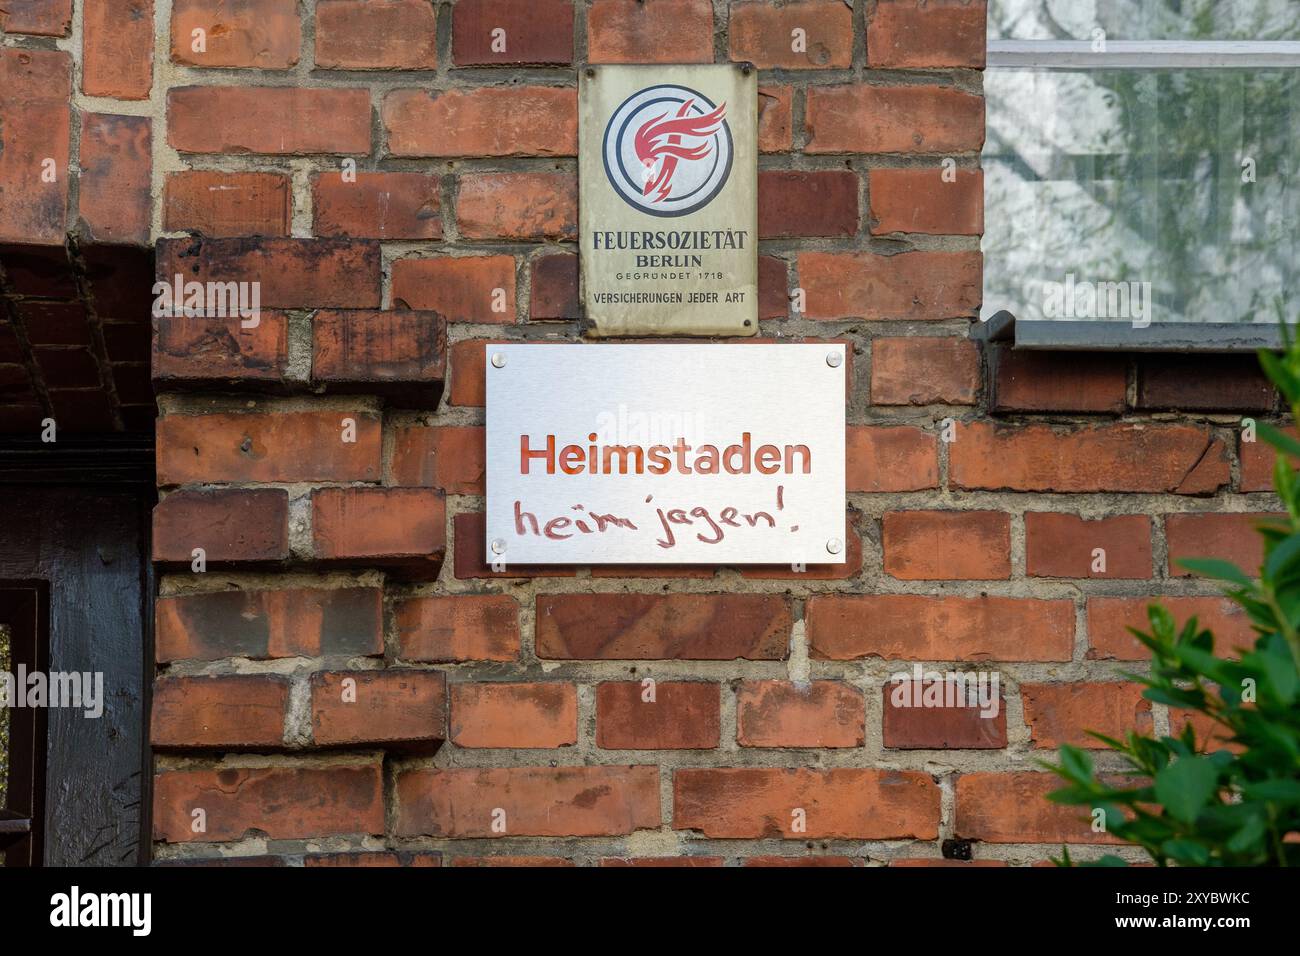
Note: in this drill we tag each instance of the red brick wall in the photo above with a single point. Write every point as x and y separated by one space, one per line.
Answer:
499 717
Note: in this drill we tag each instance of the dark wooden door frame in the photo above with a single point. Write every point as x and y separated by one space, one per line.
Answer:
24 608
115 465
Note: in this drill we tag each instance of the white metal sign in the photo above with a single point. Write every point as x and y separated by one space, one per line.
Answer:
668 204
665 454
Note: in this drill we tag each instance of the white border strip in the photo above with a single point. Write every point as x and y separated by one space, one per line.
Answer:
1143 54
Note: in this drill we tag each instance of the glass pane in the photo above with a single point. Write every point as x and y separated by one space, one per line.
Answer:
1176 186
1144 19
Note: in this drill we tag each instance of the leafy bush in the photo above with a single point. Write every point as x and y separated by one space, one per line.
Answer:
1231 797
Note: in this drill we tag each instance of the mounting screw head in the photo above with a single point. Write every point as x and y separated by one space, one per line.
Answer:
833 359
834 545
498 546
498 360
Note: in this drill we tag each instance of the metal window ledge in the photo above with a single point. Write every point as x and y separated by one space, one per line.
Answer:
1101 336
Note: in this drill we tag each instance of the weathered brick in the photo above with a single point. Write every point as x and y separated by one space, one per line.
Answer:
477 289
36 128
947 545
897 119
1257 460
683 715
926 201
201 350
553 288
269 447
262 34
919 627
460 627
662 861
377 205
1029 381
777 713
277 120
450 457
402 709
1212 383
402 528
489 121
46 18
915 370
230 526
1064 546
283 803
114 203
517 206
517 716
909 285
1183 459
369 858
293 622
926 33
662 626
375 35
470 532
117 48
530 801
536 32
891 458
1109 619
1013 808
666 31
845 803
230 712
401 356
1228 537
221 204
775 119
910 722
765 35
815 861
1061 713
807 203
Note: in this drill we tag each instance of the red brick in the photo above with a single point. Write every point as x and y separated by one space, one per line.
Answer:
817 861
504 860
36 127
227 204
203 350
269 624
909 285
117 48
233 713
277 120
1013 808
924 371
948 864
293 273
898 119
684 715
68 368
850 568
283 803
926 33
468 365
1257 458
114 203
460 627
775 119
1061 713
1211 735
662 861
1062 545
910 723
268 447
243 525
947 545
845 803
926 201
450 457
477 289
377 205
1209 383
401 356
517 206
776 713
1183 459
1026 381
517 716
262 34
46 18
553 288
666 31
369 858
52 323
400 527
398 709
470 532
774 290
891 458
807 203
764 34
1109 619
1228 537
662 626
528 801
919 627
375 35
536 32
488 121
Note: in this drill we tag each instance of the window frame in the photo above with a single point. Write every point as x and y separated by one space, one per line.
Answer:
24 606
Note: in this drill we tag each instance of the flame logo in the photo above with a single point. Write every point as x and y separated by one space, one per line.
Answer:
660 140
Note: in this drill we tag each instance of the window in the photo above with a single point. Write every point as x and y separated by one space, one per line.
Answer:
1140 172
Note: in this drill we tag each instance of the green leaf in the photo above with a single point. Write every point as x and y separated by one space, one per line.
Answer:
1185 786
1278 439
1218 569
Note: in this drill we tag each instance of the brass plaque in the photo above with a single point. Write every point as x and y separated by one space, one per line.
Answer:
668 199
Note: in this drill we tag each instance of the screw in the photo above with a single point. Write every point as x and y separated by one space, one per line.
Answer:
498 360
590 73
498 546
833 359
834 545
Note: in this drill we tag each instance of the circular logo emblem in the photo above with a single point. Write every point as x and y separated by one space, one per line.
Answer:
667 150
